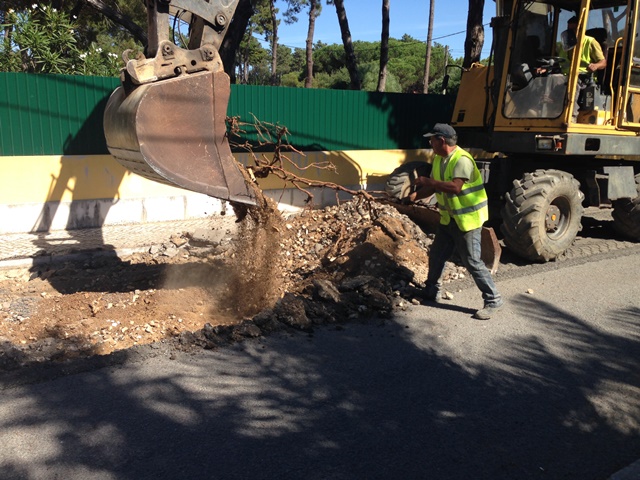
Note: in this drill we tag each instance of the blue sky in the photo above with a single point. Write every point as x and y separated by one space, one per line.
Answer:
406 16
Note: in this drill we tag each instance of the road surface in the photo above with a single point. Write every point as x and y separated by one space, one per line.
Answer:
548 390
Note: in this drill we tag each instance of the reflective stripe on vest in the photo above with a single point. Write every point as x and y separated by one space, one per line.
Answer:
469 207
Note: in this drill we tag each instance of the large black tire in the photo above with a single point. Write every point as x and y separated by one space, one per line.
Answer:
401 179
626 215
541 215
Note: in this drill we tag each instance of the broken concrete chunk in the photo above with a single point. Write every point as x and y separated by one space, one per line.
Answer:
170 251
178 240
290 311
326 290
247 329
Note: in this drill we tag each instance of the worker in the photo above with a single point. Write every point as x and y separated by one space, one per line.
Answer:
591 59
462 201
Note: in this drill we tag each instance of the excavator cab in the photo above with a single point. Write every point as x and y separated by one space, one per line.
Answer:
166 122
557 107
545 73
536 81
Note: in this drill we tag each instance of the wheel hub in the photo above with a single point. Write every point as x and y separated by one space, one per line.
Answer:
552 218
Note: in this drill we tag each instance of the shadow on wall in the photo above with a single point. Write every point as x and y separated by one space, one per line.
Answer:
411 116
93 191
423 155
340 172
307 172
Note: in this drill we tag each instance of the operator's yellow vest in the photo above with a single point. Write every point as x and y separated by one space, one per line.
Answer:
585 54
469 207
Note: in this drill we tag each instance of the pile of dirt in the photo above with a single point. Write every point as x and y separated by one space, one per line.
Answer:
354 262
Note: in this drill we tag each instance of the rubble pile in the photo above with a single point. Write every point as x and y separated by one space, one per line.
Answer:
358 261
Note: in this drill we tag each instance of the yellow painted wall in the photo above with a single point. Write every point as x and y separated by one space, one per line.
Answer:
62 178
352 167
36 179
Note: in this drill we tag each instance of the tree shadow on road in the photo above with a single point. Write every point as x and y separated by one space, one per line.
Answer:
377 400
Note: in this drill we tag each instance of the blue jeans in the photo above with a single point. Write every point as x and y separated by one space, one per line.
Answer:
468 245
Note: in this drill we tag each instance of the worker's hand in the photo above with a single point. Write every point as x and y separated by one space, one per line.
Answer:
425 187
422 182
594 67
409 199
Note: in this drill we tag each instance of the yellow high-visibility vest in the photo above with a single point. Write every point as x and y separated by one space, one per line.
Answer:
588 45
469 207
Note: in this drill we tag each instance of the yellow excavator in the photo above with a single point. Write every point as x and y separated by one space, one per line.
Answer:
562 137
166 122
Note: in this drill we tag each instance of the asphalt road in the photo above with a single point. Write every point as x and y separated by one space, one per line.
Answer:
548 390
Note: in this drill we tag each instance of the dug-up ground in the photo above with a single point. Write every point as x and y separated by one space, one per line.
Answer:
354 262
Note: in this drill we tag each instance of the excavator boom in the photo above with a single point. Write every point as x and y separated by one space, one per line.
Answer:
166 122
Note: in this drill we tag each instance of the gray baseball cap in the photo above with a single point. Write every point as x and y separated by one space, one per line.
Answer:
441 130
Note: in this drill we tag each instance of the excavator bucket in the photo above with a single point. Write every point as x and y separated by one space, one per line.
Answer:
173 131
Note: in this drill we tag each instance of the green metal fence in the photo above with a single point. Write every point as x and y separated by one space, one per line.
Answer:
61 114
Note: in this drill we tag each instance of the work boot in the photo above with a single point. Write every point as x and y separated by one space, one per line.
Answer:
487 312
431 295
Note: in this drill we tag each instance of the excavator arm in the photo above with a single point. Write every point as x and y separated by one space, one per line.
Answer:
166 122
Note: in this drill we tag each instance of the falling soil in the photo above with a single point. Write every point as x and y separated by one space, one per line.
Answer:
354 262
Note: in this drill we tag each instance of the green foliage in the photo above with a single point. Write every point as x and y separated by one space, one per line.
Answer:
285 60
9 60
291 79
405 70
454 81
97 62
328 58
299 60
42 39
370 73
259 75
294 7
322 80
252 61
262 21
338 80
